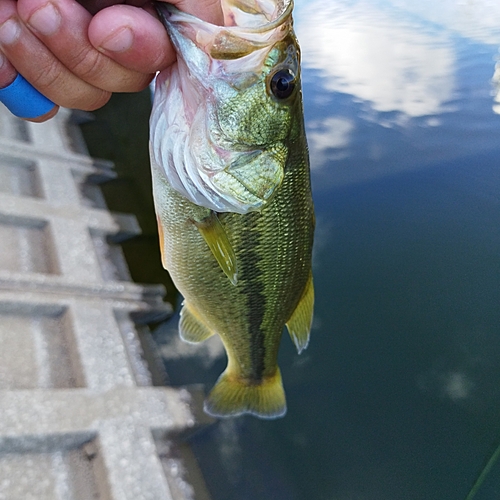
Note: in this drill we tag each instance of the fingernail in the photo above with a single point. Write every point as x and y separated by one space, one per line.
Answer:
46 20
119 41
9 32
7 72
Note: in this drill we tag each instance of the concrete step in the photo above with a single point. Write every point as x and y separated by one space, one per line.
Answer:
79 417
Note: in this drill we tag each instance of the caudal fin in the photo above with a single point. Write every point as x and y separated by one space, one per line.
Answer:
231 397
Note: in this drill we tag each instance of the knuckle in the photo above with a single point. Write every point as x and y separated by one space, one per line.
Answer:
95 69
49 77
69 92
86 64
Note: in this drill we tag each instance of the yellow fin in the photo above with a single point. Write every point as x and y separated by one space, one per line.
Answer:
299 325
191 329
216 238
233 396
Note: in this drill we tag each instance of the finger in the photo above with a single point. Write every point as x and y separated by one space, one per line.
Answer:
208 10
7 72
45 117
8 75
62 26
94 6
39 66
24 101
139 41
132 37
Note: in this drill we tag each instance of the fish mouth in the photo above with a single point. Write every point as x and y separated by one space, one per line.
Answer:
251 15
249 25
200 158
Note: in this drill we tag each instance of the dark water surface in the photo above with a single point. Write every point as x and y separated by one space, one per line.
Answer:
398 395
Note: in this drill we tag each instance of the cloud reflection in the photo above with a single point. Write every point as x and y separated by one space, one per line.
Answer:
455 385
373 54
478 20
173 348
496 92
467 370
329 138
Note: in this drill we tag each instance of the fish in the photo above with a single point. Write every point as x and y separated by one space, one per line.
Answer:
232 193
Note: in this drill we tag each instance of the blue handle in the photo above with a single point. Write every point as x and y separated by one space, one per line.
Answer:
23 100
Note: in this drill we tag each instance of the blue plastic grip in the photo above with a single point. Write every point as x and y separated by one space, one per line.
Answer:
23 100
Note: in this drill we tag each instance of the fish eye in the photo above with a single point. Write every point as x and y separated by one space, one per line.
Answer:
282 83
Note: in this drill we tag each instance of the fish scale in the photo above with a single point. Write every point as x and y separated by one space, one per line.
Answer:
243 276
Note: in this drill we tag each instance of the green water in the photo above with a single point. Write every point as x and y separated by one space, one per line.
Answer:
398 395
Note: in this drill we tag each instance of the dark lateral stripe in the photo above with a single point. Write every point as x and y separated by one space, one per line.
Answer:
253 289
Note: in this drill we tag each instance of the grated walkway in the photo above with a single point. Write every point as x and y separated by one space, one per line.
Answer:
79 418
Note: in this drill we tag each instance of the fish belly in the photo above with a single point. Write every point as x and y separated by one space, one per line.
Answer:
273 255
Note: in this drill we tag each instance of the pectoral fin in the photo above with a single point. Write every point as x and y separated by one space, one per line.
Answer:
162 242
216 238
299 325
191 329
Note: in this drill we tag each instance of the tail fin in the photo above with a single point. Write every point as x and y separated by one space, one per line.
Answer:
232 396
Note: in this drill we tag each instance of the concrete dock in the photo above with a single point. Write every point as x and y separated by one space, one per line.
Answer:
79 417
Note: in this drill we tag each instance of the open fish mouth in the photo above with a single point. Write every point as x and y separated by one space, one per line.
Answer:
249 26
261 15
204 156
245 19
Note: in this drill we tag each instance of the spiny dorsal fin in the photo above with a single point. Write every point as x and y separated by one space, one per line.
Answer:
216 238
299 325
191 329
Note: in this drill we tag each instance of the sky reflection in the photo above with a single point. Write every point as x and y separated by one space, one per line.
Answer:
477 20
372 53
392 87
397 396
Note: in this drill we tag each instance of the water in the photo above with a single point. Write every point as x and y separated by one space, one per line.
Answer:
398 395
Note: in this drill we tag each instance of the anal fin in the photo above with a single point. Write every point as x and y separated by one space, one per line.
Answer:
191 329
299 324
216 238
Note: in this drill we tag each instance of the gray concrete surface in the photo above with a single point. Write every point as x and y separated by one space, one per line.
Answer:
79 418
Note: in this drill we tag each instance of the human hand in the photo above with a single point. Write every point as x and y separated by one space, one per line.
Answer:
77 53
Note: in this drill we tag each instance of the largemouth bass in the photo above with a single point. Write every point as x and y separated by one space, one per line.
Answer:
232 193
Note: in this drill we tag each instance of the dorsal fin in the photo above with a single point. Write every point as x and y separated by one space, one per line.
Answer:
299 325
216 238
